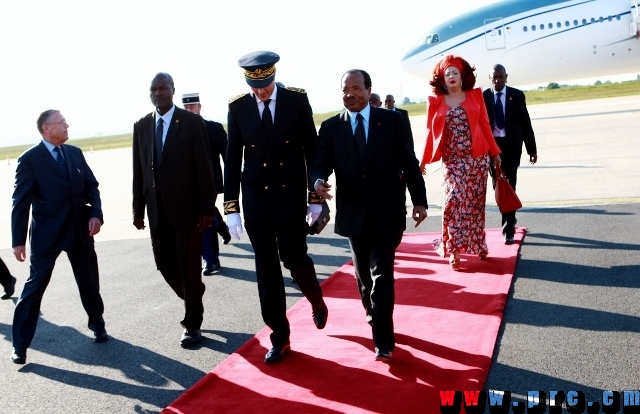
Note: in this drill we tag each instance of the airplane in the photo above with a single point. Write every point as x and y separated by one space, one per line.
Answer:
537 41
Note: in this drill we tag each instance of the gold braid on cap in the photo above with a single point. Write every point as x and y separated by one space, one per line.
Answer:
258 74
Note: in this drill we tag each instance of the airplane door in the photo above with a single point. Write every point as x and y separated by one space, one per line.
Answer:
494 33
634 28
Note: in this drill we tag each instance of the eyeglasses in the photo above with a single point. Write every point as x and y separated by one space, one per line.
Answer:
63 123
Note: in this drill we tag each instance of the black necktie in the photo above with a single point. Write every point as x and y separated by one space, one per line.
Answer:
60 160
360 136
499 111
159 131
267 120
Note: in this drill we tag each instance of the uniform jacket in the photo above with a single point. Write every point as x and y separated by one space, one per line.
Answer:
273 174
369 191
218 144
60 206
482 140
518 127
185 173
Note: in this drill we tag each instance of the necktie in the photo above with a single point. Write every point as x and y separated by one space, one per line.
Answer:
360 136
267 119
159 131
499 111
60 160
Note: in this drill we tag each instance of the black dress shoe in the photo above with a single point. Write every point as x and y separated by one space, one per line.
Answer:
208 269
19 356
383 354
320 317
190 337
10 289
508 240
276 353
100 335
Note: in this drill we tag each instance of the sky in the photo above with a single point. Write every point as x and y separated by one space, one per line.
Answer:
95 61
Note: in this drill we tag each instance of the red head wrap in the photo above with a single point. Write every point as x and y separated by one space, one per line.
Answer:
450 60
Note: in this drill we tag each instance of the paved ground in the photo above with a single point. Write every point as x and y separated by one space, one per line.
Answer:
572 321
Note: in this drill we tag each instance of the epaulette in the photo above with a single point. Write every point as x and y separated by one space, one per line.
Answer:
235 98
299 90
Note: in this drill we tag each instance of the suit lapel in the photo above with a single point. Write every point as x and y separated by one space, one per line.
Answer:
346 135
47 159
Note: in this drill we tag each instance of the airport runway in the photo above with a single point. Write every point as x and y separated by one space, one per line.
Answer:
572 321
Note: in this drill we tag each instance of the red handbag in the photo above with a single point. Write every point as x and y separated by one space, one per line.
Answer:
506 197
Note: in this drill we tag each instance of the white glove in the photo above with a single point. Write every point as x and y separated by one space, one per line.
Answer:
313 212
234 223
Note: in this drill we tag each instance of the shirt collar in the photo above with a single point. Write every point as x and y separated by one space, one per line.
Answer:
49 145
167 115
366 112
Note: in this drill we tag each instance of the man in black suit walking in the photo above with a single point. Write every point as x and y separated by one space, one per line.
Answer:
390 103
54 182
173 179
511 124
273 128
218 145
367 147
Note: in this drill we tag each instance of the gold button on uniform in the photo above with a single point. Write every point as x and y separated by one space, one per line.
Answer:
264 165
266 187
253 146
281 164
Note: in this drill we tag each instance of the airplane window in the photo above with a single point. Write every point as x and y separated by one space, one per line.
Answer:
542 27
426 40
584 21
593 20
525 29
600 19
435 38
550 25
533 28
618 17
609 18
559 25
575 22
566 23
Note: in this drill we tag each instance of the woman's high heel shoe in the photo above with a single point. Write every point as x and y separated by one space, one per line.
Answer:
454 260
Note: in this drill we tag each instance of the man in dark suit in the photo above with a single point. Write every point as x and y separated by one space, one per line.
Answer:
374 99
7 281
54 182
509 118
218 145
173 179
274 128
390 103
366 147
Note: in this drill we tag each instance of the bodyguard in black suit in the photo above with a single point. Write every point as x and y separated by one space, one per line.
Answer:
272 128
366 147
54 182
390 103
218 146
511 124
173 180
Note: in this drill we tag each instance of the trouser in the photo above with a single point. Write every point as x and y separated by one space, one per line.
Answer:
373 258
177 255
210 246
84 263
5 275
272 242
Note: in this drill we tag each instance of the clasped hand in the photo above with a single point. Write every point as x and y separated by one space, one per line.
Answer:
234 223
322 189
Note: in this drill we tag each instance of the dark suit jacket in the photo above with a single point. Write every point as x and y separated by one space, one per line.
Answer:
517 124
274 175
218 145
185 174
405 116
369 192
60 206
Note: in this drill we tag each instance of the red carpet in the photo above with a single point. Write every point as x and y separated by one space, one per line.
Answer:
446 326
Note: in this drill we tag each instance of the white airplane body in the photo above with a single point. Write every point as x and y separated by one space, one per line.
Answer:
538 41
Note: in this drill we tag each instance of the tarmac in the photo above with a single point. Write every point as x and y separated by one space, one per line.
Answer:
572 320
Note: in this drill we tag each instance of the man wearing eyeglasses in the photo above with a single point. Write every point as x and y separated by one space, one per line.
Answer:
54 181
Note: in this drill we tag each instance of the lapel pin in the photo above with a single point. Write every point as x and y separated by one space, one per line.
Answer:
177 120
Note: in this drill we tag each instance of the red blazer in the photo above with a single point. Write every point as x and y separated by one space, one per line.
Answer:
482 140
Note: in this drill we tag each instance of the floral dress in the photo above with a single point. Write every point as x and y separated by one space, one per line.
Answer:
464 189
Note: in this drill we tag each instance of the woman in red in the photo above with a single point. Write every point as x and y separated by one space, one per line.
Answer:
458 132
